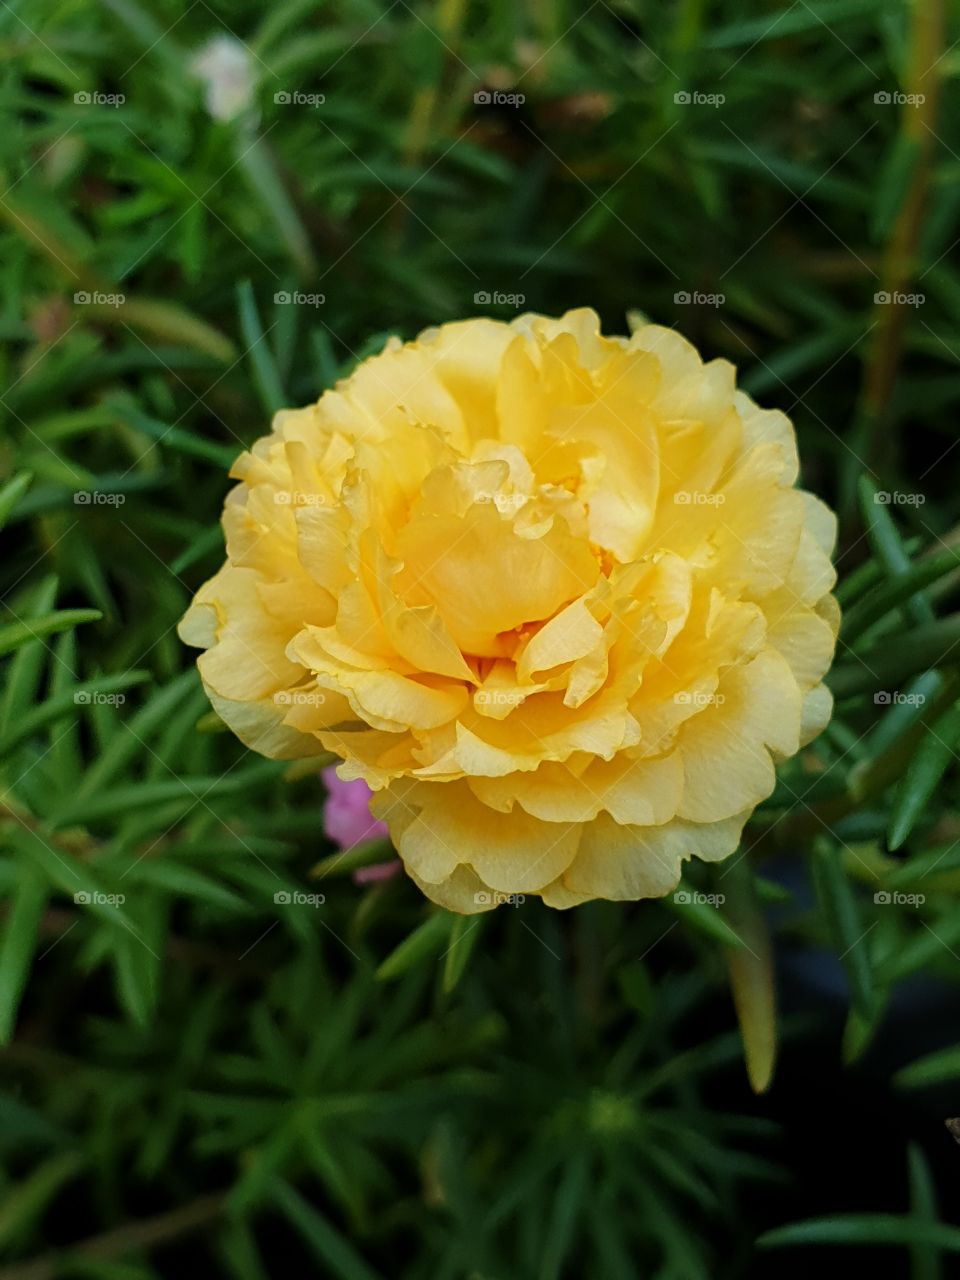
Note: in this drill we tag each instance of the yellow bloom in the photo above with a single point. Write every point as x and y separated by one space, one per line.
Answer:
552 595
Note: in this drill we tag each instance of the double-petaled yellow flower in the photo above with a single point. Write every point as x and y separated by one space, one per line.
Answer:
553 596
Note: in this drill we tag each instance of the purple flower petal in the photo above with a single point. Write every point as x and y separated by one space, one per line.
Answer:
346 815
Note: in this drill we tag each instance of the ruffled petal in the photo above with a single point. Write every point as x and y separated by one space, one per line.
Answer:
551 595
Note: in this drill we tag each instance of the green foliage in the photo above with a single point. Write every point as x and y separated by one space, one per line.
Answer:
927 1237
218 1045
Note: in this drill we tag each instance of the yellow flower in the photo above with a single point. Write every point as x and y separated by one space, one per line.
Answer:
552 595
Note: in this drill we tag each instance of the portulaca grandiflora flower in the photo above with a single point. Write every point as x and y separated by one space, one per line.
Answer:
553 596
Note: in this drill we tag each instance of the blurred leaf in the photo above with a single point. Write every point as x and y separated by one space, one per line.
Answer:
113 801
900 717
134 736
137 974
865 1229
892 660
267 185
28 1201
16 634
464 936
12 492
844 924
327 1244
222 455
785 22
751 974
934 1068
68 703
426 940
926 768
48 226
872 607
24 671
19 943
564 1218
860 1029
173 322
207 543
893 185
266 375
345 861
924 1256
888 544
705 917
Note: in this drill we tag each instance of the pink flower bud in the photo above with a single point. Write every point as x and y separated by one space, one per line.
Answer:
346 814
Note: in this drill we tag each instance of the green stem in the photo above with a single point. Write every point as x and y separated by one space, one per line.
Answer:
118 1243
918 130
